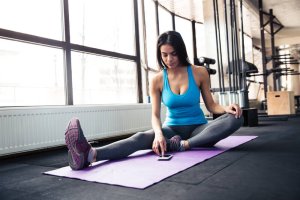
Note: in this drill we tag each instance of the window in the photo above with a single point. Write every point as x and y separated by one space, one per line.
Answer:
33 69
30 75
103 80
103 24
36 17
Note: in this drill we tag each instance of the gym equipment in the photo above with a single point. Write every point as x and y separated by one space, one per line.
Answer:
203 61
271 22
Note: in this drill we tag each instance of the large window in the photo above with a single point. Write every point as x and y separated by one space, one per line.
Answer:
98 65
102 80
37 17
36 61
30 75
103 24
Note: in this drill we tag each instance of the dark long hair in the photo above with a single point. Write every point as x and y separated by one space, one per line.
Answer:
174 39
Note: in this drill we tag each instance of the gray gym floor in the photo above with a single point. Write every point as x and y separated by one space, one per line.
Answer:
265 168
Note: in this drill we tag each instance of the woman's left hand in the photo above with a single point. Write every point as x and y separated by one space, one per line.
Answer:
234 109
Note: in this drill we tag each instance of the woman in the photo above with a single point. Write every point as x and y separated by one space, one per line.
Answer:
178 86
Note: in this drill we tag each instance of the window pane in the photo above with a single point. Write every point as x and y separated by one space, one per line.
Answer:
30 75
248 48
103 24
103 80
165 20
36 17
200 38
151 33
184 27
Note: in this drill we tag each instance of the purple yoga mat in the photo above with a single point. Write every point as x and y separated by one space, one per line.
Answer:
141 169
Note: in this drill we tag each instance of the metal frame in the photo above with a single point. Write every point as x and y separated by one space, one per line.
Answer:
227 46
173 22
138 54
236 45
271 21
219 46
194 41
157 18
67 56
263 46
244 87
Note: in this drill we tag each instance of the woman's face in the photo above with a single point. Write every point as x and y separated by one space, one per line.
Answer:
169 56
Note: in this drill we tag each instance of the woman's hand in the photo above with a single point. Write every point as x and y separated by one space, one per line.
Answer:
159 145
234 109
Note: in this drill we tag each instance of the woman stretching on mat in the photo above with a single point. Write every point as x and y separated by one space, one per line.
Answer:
178 86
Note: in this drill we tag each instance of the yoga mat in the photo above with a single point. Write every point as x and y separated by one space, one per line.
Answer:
142 169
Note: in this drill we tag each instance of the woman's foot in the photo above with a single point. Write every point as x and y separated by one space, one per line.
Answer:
185 145
77 144
173 144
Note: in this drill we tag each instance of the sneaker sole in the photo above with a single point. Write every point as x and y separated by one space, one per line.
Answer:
72 136
71 159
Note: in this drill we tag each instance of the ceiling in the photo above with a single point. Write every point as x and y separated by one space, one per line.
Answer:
287 12
184 8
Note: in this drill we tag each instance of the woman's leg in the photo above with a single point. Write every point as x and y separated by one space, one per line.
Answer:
216 130
123 148
81 154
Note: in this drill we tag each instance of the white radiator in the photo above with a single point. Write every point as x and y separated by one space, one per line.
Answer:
32 128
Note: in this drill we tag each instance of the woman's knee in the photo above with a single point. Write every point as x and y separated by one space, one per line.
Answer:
235 123
233 120
142 136
238 121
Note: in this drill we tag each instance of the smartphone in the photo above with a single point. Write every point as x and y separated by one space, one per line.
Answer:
165 157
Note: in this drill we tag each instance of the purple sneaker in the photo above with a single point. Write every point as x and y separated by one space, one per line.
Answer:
173 144
77 144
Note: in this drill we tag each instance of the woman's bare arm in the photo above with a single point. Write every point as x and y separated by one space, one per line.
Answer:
159 144
210 104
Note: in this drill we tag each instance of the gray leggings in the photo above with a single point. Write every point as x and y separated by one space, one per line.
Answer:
204 135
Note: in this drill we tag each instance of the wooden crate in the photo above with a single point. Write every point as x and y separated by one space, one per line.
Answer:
281 103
